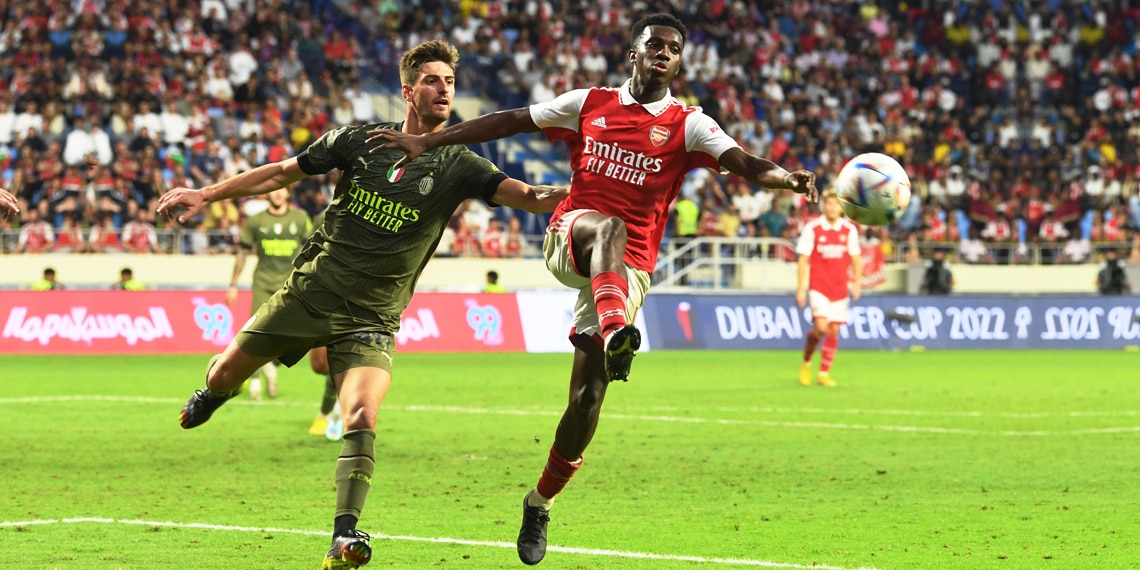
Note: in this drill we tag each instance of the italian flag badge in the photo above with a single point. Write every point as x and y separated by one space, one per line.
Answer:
394 174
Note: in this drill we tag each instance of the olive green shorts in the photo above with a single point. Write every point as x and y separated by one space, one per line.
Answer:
260 296
304 315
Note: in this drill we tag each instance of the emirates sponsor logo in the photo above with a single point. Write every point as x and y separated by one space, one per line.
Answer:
613 161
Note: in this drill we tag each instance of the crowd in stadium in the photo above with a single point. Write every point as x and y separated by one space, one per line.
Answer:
1015 120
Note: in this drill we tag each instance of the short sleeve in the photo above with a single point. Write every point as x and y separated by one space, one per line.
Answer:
807 241
477 176
247 234
703 134
853 246
561 113
328 152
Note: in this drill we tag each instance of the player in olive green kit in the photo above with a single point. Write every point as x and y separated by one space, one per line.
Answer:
355 276
275 235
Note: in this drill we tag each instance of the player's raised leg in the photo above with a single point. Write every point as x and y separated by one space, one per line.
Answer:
224 376
588 383
600 242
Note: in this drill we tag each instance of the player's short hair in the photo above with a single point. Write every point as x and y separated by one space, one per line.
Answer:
829 193
427 52
493 276
49 272
658 19
127 271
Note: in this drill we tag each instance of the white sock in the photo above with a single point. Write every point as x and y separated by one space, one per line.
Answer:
537 500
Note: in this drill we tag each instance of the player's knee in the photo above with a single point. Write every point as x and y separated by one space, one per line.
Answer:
822 327
612 229
587 400
360 417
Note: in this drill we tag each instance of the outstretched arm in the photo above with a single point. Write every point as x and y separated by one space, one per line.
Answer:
535 199
261 180
493 126
763 172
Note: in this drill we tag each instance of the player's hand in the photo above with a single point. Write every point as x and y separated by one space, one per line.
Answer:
231 296
856 290
803 182
801 298
388 139
8 204
190 199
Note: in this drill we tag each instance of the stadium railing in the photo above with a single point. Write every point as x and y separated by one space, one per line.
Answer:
715 262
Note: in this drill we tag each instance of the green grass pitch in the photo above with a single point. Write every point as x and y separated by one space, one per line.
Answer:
711 459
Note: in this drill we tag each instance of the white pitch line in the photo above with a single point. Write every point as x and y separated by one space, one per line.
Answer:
651 418
764 423
438 540
962 414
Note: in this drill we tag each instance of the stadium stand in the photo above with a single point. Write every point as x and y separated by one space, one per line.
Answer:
1015 121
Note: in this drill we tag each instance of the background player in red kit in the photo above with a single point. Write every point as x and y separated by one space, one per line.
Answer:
830 246
630 148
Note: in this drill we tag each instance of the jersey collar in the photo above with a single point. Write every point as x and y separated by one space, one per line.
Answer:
625 97
829 226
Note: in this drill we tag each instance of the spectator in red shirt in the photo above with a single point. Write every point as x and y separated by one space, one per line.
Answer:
338 55
493 239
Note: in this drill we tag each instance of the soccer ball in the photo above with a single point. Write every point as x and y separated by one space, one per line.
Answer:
873 189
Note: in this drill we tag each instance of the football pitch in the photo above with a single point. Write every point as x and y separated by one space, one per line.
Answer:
704 459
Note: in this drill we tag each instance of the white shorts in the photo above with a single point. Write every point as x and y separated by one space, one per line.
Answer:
834 311
556 248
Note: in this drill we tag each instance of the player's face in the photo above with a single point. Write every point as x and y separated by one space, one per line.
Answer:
831 208
432 92
657 55
279 198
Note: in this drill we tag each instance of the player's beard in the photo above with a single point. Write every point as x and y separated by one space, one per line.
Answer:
430 117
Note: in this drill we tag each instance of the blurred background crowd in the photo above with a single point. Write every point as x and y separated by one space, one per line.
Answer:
1015 120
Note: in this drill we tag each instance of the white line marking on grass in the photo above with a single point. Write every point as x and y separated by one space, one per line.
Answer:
539 411
666 419
764 423
962 414
145 400
438 540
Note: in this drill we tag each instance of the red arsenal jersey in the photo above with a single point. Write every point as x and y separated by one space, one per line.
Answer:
831 248
628 159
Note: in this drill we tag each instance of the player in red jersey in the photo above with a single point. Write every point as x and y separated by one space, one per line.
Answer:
829 245
630 148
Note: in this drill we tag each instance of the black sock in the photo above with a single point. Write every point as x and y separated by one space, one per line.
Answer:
328 401
344 524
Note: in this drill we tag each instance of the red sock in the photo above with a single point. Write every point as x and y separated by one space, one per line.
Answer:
556 474
827 353
610 294
810 343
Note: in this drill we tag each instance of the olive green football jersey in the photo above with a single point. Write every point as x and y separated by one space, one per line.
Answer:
383 224
276 241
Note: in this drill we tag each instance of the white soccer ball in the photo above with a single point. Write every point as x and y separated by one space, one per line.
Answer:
873 189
